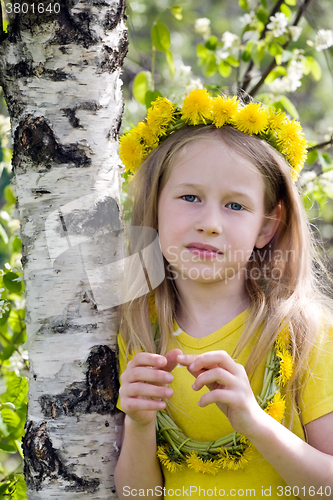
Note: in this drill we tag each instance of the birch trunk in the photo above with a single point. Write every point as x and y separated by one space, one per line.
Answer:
60 75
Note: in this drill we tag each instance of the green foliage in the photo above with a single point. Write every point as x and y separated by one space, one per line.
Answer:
13 358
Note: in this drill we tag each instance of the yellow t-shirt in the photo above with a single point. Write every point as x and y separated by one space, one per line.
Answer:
258 479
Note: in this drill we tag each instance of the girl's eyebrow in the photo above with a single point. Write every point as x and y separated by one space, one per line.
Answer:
200 186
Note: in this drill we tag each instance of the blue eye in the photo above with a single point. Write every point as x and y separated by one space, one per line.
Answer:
190 196
237 205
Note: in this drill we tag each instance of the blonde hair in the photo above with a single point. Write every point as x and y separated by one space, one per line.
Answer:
298 298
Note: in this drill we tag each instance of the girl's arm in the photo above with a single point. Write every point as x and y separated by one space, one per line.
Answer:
144 379
307 466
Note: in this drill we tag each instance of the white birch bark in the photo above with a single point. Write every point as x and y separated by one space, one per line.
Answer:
60 74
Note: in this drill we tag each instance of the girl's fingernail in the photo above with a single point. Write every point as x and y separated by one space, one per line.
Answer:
181 357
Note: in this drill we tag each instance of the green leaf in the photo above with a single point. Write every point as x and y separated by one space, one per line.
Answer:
275 49
10 284
20 492
170 63
255 55
141 84
202 51
312 157
4 487
290 2
286 105
11 419
151 96
9 195
262 15
224 69
243 4
233 61
286 11
210 65
212 43
8 448
314 68
161 37
7 352
17 389
275 73
176 11
3 234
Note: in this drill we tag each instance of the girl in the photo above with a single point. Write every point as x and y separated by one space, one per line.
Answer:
236 342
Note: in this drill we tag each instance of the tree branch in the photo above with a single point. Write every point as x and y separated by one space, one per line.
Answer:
321 145
273 64
247 77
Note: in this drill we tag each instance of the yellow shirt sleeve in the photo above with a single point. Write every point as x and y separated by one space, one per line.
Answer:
317 397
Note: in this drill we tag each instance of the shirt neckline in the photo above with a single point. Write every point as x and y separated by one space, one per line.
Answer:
219 334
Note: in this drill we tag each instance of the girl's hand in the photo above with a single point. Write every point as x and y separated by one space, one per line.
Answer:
229 387
143 385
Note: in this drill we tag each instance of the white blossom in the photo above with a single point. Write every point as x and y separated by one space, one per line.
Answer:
229 39
295 32
202 27
194 84
278 24
222 54
247 19
292 80
324 40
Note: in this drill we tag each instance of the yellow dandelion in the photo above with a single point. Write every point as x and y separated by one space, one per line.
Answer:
252 119
235 461
197 107
286 366
224 110
152 308
277 407
276 118
131 151
204 466
142 131
283 340
171 465
160 115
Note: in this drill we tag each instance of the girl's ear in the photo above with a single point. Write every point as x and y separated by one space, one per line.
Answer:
269 227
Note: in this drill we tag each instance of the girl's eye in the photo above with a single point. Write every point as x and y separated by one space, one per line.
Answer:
190 196
235 206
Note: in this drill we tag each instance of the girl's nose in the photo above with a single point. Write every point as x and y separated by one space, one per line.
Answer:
209 221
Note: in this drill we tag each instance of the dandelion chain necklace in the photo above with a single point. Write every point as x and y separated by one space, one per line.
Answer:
175 450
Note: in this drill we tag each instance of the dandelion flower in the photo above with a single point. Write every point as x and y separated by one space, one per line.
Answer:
293 144
236 460
143 131
276 407
164 458
283 339
160 115
224 110
286 366
131 151
197 107
152 308
204 466
276 118
252 119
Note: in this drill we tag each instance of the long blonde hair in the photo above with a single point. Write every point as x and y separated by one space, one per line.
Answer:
298 298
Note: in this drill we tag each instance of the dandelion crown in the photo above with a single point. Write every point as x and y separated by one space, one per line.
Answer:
199 108
174 449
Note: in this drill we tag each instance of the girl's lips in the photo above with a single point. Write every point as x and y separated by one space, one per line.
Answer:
203 253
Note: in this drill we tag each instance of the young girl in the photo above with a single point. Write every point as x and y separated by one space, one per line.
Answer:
231 356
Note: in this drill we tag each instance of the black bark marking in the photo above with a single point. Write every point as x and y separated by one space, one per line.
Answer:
92 106
113 17
74 28
42 461
113 59
97 394
34 138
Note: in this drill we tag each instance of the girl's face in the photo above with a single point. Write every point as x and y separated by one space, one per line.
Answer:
213 197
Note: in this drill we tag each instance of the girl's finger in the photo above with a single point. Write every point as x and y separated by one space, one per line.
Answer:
147 390
212 358
139 404
213 376
224 396
147 359
147 374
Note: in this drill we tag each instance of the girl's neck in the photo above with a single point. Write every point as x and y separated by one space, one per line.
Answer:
200 322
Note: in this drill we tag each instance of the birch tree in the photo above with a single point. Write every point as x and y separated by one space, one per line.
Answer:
60 65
